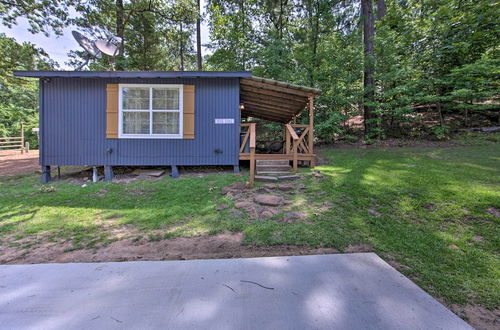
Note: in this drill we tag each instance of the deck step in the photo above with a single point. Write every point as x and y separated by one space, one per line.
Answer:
266 178
272 162
274 172
274 168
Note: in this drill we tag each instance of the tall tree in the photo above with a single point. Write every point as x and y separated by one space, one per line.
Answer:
198 37
42 16
381 9
156 34
368 65
120 32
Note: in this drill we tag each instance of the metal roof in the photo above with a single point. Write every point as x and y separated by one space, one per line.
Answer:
273 100
133 74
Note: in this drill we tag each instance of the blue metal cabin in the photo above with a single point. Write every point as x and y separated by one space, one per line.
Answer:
73 120
166 118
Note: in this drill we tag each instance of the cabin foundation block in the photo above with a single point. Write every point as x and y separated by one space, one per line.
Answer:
108 173
175 172
45 174
236 168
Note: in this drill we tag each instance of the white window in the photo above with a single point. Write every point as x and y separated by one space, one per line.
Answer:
150 111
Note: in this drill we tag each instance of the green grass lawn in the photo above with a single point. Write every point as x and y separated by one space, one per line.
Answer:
428 210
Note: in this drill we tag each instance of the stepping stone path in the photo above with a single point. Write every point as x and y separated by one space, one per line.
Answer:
375 213
270 200
221 207
286 187
263 202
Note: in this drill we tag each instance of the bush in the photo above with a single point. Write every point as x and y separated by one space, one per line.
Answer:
441 132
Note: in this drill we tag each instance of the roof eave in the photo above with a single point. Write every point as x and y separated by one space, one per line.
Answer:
133 74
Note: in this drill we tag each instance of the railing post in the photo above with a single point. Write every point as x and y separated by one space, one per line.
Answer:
22 137
252 153
287 141
295 155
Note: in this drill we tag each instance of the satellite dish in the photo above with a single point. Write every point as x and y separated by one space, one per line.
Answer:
86 44
107 47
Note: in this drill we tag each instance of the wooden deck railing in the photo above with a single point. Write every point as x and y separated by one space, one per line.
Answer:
290 134
299 143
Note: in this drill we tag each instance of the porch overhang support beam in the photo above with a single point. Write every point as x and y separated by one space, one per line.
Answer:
311 130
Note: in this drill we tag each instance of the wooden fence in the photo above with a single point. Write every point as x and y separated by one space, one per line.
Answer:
14 142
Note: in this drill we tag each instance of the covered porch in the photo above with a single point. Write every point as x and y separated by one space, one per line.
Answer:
277 102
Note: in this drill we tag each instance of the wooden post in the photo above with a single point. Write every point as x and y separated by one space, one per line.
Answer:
22 137
252 154
287 141
295 155
311 130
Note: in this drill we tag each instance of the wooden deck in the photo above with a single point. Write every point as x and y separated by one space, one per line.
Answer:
297 147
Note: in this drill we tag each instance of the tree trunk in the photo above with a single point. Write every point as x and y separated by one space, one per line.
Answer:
440 111
120 32
381 9
181 47
369 61
198 38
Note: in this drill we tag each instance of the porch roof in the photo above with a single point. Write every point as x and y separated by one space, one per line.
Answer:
273 100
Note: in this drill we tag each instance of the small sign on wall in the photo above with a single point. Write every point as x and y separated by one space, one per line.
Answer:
224 120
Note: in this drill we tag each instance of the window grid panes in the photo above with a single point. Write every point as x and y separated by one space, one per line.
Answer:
151 111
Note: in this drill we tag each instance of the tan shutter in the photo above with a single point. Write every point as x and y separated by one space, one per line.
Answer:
112 111
188 113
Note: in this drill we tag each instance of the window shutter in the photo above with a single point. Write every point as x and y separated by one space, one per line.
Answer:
188 112
112 111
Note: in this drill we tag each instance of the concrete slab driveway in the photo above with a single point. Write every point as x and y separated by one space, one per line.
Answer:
354 291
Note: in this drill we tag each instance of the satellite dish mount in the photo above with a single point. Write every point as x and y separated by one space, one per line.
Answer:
97 48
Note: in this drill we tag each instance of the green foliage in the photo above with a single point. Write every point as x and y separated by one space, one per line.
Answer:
42 15
328 127
19 96
441 132
157 35
427 52
433 58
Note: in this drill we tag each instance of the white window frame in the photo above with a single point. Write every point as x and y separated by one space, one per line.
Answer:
150 111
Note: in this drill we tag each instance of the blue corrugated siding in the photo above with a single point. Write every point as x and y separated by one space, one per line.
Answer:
73 126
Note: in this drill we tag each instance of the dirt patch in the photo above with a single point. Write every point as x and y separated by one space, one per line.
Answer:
224 245
494 211
268 201
430 207
358 248
478 316
15 163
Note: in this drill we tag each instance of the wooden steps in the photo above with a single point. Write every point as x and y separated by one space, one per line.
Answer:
270 170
